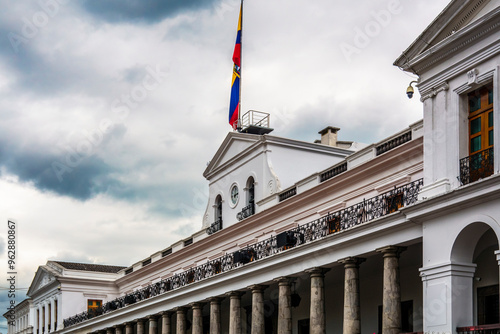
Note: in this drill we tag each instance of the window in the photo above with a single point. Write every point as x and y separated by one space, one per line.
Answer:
218 208
394 202
480 119
94 306
250 191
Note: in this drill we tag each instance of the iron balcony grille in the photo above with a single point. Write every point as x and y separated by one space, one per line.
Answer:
477 166
393 143
481 329
216 226
333 172
287 194
332 223
246 212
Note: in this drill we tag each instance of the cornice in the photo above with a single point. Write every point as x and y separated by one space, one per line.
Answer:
455 42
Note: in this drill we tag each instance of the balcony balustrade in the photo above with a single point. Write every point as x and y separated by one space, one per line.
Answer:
482 329
320 228
246 212
477 166
216 226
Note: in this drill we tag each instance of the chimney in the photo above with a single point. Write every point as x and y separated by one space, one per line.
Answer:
329 136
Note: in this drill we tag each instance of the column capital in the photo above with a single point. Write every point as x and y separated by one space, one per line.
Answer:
118 326
257 287
180 309
235 293
283 280
317 271
129 323
215 300
391 251
139 320
497 254
166 313
352 261
153 317
197 305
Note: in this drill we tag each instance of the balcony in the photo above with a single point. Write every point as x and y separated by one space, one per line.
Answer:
247 211
216 226
482 329
477 166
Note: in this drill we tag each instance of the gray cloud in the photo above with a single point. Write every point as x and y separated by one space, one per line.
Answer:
147 11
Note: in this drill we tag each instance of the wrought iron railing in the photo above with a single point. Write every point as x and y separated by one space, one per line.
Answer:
393 143
216 226
287 194
333 172
476 166
332 223
481 329
246 212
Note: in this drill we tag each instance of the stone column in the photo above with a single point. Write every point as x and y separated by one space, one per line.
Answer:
118 329
109 330
317 310
153 324
46 317
181 320
165 322
391 303
352 314
52 317
129 328
140 326
215 315
284 305
197 318
235 312
258 323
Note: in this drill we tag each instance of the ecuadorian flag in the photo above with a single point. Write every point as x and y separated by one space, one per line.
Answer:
234 106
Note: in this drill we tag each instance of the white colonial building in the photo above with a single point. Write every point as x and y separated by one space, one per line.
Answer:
328 237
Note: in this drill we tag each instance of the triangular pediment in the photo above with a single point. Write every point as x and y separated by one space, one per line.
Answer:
233 146
44 276
457 16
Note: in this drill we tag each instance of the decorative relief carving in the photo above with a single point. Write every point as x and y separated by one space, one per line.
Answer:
270 185
472 76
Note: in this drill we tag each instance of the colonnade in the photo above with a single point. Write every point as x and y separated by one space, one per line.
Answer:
391 322
46 316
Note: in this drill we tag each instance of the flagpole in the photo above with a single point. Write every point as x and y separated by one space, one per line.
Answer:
241 69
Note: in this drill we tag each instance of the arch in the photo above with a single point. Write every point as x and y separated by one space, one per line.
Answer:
467 239
218 208
250 190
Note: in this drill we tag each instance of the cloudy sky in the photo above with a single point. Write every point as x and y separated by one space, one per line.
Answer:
110 110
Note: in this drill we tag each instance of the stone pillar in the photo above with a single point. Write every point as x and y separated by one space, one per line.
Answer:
109 330
391 302
140 326
165 322
215 315
181 320
153 324
129 328
46 317
235 312
258 323
317 314
284 305
197 318
118 329
352 314
52 317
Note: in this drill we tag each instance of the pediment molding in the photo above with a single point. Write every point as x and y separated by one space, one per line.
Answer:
458 25
44 277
